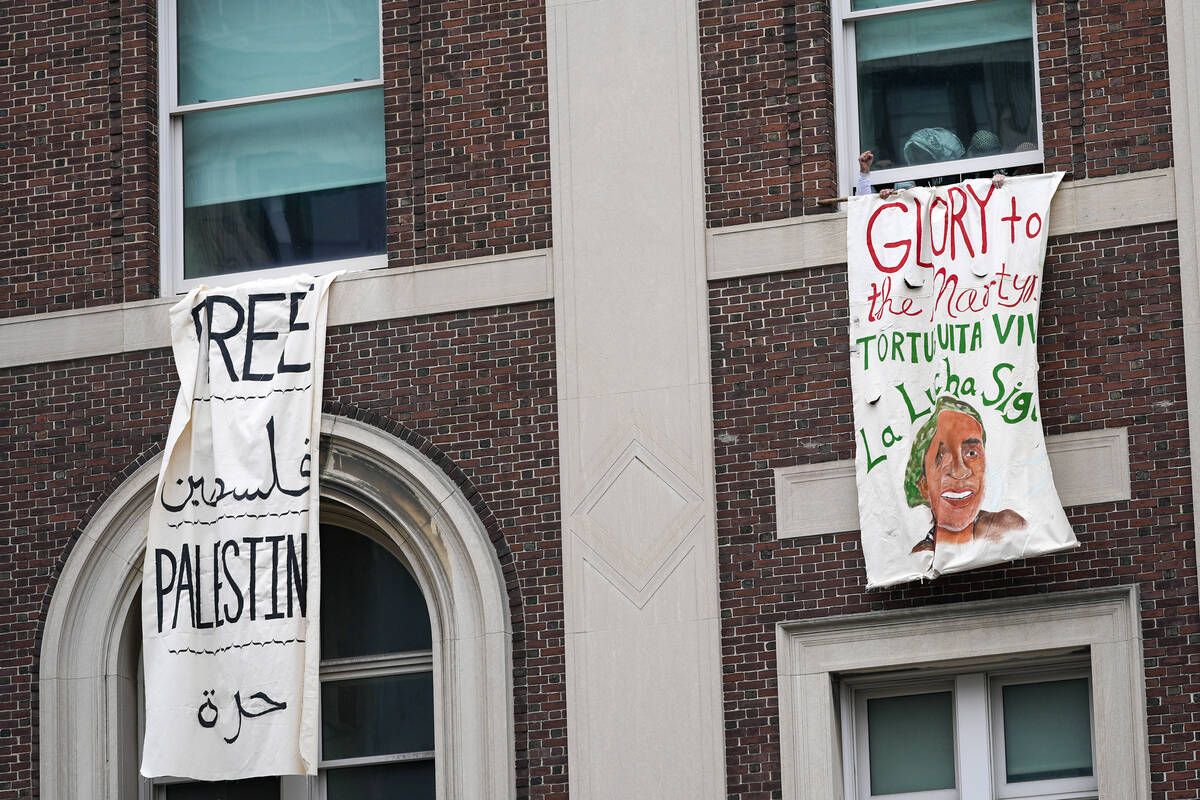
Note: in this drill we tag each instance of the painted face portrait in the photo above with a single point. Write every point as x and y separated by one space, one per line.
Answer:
946 470
954 468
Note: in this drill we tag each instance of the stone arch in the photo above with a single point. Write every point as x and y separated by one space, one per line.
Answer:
84 680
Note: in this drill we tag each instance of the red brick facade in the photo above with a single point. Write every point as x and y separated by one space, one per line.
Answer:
1111 357
468 164
474 392
468 174
768 99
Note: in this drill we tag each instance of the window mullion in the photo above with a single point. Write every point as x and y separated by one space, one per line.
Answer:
916 5
973 734
259 99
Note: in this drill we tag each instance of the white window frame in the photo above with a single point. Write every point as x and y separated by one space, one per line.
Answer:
980 770
170 164
845 82
855 740
814 656
1057 787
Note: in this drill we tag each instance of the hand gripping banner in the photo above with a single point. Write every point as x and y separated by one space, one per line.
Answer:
944 286
231 580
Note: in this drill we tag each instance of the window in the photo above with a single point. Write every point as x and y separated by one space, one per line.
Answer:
412 513
273 147
1026 733
377 734
1028 697
376 673
936 87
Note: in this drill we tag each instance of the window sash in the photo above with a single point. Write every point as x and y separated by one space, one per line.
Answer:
846 116
1057 787
169 69
978 731
862 765
171 113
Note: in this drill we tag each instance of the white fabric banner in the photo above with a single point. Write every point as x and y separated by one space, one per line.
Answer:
944 286
231 582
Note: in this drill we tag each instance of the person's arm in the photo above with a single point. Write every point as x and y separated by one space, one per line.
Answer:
863 186
865 159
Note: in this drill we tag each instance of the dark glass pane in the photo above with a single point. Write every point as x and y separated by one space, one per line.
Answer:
308 227
376 716
410 780
947 84
370 604
250 789
1047 730
911 742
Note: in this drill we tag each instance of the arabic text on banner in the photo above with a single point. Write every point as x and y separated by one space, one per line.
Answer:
231 580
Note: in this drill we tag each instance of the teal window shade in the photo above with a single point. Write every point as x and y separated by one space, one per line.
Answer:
948 28
866 5
286 147
911 742
241 48
1047 730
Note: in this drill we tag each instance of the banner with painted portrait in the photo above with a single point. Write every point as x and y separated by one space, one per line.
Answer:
951 464
231 580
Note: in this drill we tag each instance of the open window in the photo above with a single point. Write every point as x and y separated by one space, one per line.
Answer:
936 88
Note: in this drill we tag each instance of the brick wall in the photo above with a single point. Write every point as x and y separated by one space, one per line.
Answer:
467 143
60 101
747 56
767 64
486 156
1111 348
475 390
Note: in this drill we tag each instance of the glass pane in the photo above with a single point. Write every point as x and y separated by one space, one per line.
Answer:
283 148
863 5
370 604
1047 730
283 183
911 741
947 83
412 780
375 716
251 47
250 789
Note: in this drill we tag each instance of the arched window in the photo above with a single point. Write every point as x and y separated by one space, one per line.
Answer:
377 693
416 674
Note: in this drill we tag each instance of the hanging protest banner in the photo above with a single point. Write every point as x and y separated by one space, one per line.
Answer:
944 286
231 580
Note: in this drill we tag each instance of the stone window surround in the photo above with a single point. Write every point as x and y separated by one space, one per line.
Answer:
814 653
83 678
